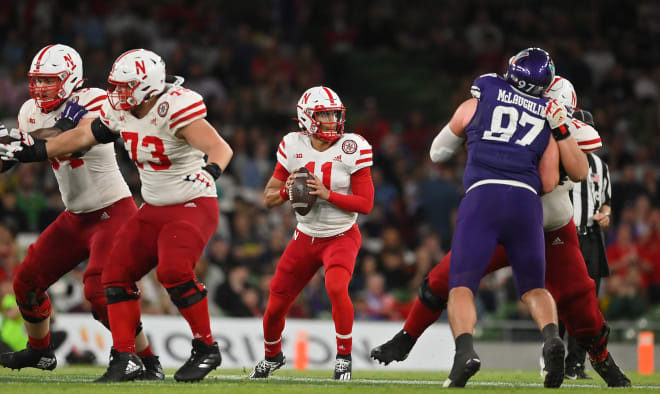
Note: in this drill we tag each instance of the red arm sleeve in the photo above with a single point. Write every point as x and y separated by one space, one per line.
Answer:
362 199
280 172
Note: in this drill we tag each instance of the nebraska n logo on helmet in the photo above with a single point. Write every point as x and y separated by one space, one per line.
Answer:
321 113
136 75
531 71
61 64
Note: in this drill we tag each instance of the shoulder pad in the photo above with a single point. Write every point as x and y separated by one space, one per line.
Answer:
181 107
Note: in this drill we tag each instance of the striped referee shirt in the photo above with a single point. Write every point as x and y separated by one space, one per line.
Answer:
592 193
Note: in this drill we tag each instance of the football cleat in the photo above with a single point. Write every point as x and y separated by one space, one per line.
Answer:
553 362
124 367
396 349
203 359
152 369
611 373
465 366
343 367
576 372
265 367
30 358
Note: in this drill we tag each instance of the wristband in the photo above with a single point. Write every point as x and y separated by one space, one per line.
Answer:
284 193
213 169
65 124
561 133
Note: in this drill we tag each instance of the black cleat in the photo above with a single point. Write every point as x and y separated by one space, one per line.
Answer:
611 373
576 372
203 359
553 362
396 349
124 367
343 367
465 366
30 358
152 369
265 367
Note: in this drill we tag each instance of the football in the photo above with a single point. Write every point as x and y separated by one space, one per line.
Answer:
301 201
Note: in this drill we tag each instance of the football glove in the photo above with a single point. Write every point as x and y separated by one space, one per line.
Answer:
557 117
70 116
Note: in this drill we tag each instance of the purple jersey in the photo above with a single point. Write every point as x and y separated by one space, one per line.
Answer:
507 134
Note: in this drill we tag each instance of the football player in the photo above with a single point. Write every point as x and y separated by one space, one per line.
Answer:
165 133
566 276
97 202
327 236
512 159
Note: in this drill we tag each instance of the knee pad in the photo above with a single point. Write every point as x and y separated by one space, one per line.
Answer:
428 298
187 294
598 343
116 294
33 303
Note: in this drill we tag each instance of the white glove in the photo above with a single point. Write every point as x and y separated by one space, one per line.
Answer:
201 180
16 134
7 151
556 114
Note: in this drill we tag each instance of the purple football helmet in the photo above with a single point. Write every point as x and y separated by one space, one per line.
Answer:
531 71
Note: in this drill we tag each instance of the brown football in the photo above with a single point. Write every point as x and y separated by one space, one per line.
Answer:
301 201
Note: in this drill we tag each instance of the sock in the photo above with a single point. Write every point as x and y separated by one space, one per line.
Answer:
198 319
464 343
39 343
550 331
336 283
420 318
124 317
278 306
146 352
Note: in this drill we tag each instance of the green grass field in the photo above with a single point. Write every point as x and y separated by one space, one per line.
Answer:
78 380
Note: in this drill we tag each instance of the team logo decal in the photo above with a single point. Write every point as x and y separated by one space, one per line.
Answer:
162 109
349 146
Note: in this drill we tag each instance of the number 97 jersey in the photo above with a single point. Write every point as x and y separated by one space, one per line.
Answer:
163 158
507 135
334 168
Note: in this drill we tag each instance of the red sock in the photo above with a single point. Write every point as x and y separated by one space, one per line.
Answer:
274 317
420 318
198 319
336 283
146 352
124 317
39 343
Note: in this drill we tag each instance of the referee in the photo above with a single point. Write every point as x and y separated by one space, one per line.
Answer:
591 213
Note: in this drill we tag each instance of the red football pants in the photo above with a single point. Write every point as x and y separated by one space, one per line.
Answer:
68 241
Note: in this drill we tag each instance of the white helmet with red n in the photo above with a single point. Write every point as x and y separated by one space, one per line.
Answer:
561 89
55 61
314 101
136 75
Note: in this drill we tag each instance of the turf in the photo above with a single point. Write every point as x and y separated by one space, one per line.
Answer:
79 380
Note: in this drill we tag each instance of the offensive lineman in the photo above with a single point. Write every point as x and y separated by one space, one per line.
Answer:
328 235
166 135
97 199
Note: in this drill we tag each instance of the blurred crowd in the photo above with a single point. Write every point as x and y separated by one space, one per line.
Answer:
400 69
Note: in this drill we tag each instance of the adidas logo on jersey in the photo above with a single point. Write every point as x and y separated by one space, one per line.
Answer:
337 158
557 241
105 216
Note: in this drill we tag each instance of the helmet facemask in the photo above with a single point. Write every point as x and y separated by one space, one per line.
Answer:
48 96
120 95
326 123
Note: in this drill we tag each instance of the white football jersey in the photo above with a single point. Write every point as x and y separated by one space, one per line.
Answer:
162 158
333 167
557 206
88 183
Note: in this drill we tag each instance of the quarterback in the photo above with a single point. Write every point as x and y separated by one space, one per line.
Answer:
327 236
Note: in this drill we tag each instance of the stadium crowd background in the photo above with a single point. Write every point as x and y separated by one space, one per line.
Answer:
400 70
